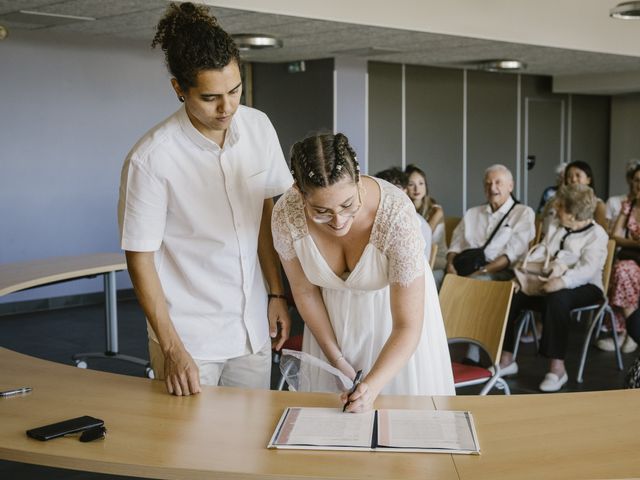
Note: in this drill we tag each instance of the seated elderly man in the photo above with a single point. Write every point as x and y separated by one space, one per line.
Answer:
492 237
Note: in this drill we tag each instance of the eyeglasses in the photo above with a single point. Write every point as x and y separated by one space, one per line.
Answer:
346 212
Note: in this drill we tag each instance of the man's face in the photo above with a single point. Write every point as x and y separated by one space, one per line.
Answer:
213 101
497 187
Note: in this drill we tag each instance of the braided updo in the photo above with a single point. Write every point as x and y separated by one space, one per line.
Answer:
323 160
192 41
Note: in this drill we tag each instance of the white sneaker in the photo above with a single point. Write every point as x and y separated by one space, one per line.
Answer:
629 345
553 383
510 369
606 344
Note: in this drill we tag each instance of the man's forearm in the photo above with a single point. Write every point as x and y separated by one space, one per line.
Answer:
146 284
266 252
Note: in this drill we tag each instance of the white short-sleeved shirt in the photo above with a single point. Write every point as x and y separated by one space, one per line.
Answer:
198 207
512 239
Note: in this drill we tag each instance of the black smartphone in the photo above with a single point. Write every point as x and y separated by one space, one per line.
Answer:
73 425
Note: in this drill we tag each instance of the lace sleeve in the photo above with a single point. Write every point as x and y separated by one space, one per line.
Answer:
282 238
405 247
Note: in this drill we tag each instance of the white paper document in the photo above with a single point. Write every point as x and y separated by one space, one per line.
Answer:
380 430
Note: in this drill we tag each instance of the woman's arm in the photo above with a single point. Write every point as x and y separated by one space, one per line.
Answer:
311 307
619 234
437 215
407 312
600 215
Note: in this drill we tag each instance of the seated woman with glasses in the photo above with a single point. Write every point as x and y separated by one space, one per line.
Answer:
353 253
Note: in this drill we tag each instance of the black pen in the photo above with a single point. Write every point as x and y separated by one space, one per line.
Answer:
15 391
356 382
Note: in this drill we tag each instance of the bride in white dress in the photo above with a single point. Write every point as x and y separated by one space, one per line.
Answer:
353 253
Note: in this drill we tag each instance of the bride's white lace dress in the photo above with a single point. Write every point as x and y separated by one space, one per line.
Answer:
358 305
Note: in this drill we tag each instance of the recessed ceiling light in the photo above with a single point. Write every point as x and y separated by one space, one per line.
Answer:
626 11
502 65
256 41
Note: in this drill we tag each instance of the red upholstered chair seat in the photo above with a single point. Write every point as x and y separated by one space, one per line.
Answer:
466 373
293 343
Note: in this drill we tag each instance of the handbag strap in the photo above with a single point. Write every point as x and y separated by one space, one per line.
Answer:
495 230
547 257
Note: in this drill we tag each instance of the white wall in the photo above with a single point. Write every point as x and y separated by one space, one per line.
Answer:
71 108
625 139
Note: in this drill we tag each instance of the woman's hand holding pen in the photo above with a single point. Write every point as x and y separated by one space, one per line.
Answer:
361 400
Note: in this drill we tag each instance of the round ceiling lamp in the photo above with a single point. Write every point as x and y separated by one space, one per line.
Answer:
256 41
506 65
626 11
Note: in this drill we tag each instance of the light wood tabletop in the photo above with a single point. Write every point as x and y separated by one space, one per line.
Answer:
585 435
22 275
223 432
220 433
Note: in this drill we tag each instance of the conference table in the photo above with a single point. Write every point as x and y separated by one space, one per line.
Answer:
222 433
18 276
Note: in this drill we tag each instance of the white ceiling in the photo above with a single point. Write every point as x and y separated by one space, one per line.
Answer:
307 39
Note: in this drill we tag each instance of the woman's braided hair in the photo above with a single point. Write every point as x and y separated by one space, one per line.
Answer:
192 41
323 160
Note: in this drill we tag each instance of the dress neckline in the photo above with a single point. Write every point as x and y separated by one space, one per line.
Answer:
342 276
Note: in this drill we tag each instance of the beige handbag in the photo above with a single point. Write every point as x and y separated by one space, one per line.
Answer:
531 276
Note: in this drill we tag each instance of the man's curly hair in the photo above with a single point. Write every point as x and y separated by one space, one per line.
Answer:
192 41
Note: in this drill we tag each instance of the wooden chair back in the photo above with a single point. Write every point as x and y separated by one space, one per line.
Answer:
476 310
450 224
432 256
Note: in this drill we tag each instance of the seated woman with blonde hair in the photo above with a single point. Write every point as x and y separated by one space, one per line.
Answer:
577 241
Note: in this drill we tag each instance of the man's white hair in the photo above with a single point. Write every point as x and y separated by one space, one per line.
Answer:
499 168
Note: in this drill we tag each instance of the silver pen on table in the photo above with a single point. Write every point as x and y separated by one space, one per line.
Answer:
15 391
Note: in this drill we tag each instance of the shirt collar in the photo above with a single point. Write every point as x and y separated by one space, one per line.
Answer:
199 139
503 209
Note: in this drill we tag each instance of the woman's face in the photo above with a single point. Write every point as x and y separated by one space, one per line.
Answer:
334 208
417 188
565 219
577 176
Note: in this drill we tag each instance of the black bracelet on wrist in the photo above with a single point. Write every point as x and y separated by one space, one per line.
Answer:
275 295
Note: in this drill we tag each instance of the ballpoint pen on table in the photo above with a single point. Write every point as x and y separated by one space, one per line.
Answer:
15 391
356 382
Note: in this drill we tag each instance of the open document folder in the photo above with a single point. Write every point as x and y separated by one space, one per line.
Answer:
436 431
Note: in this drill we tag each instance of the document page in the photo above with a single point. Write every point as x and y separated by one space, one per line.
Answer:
324 427
427 429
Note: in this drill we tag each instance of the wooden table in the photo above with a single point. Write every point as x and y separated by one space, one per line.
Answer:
223 432
18 276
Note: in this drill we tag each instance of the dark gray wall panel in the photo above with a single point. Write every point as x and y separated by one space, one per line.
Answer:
491 127
434 112
590 137
298 104
385 116
625 140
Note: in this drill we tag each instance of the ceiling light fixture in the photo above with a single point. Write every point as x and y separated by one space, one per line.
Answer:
3 32
256 41
626 11
502 65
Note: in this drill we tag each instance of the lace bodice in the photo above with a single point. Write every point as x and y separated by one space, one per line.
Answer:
395 232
